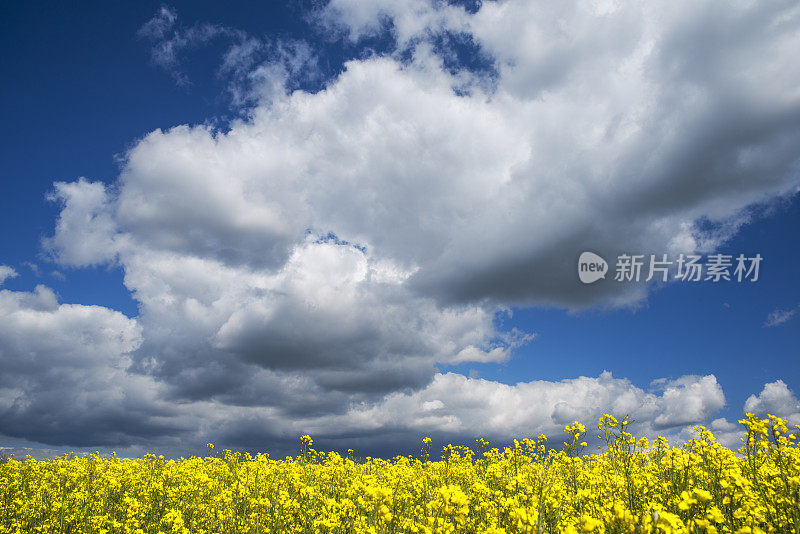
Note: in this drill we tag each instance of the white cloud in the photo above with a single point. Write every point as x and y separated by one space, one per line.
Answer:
779 317
410 19
33 267
498 353
160 24
170 41
6 272
454 406
776 399
258 67
86 230
459 409
332 318
688 400
727 433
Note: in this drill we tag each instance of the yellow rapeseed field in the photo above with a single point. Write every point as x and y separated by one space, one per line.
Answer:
631 486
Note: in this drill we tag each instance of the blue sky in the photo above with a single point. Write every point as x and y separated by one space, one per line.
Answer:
461 155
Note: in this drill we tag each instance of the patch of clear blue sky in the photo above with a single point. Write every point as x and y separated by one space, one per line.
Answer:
79 88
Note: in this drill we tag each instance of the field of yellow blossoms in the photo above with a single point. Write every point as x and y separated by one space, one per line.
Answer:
631 486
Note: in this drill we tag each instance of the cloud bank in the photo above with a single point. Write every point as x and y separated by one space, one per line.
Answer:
312 267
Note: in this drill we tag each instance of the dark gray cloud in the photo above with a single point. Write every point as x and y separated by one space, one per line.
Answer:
64 379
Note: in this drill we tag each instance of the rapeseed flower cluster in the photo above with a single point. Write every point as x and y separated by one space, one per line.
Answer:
632 486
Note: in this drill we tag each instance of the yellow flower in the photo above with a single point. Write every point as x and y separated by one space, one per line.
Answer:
629 487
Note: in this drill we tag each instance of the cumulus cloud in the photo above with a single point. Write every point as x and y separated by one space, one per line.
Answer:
64 378
70 379
456 408
73 363
776 399
85 230
689 399
617 133
310 266
459 406
728 433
